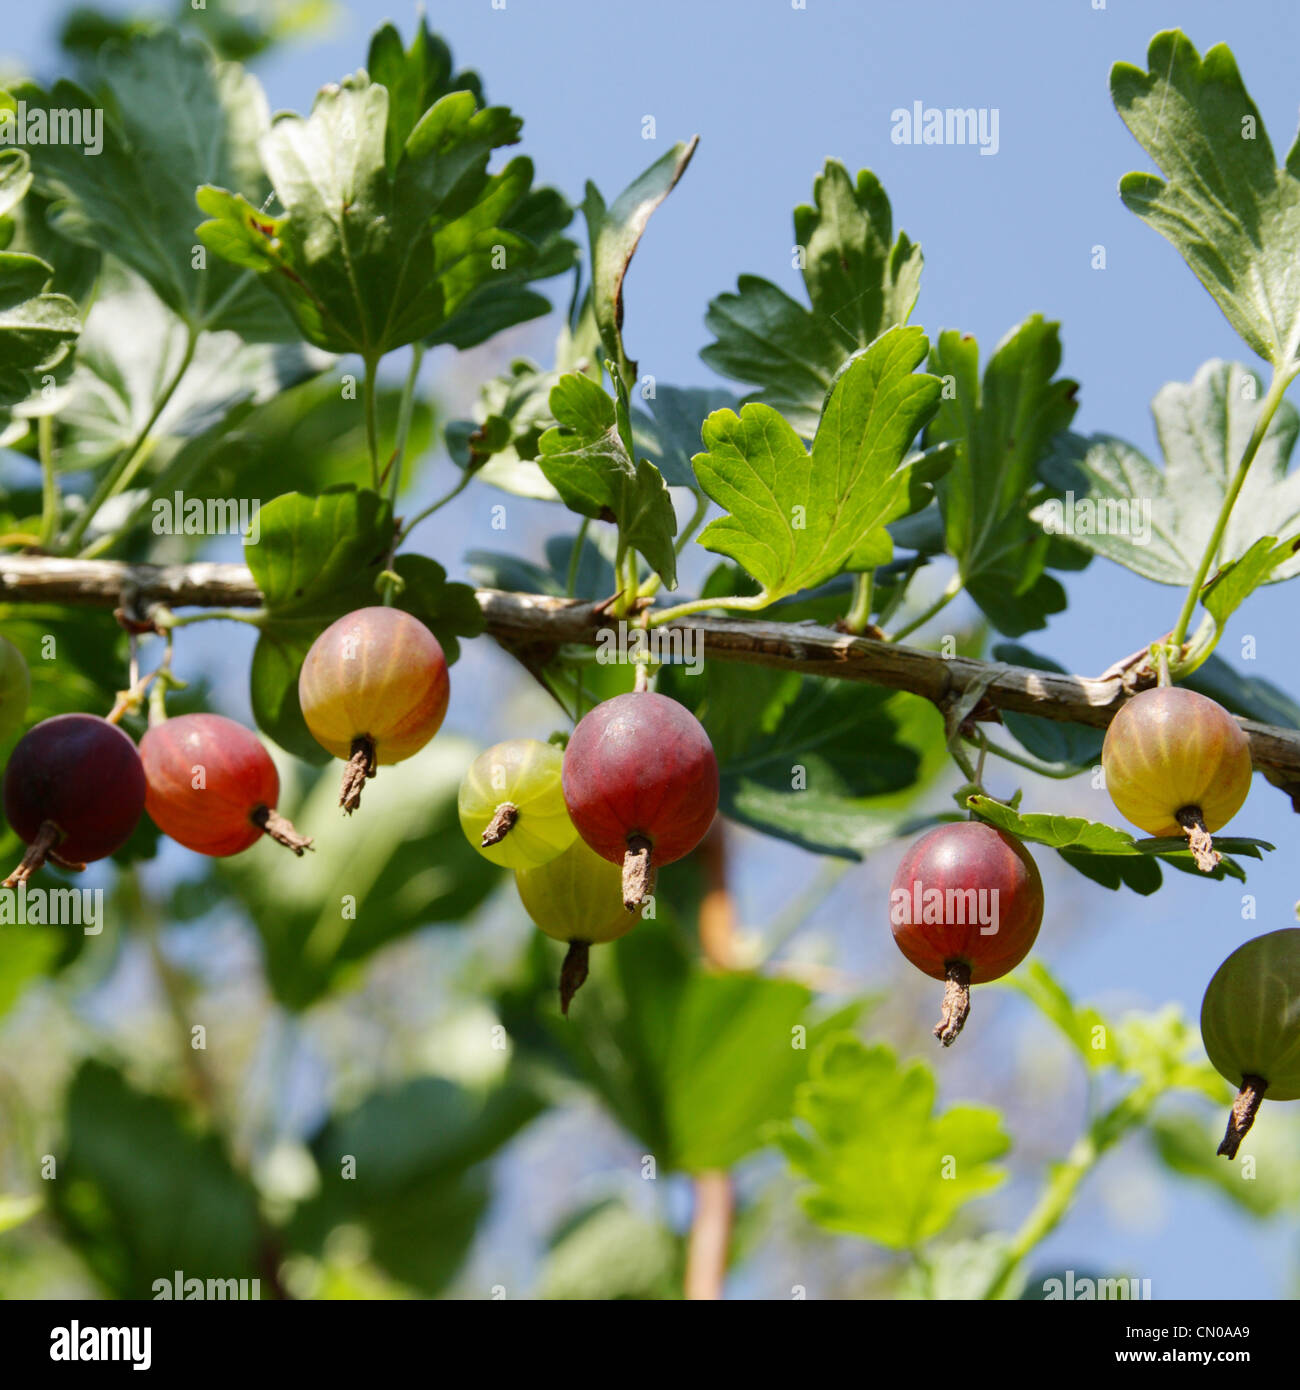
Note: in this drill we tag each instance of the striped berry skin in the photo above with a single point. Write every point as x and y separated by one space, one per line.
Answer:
641 765
1170 750
576 896
207 778
511 804
378 674
1250 1016
1250 1024
970 893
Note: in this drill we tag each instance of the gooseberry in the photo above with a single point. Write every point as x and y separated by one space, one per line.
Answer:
73 792
1177 763
212 786
641 784
15 688
1250 1024
373 690
576 897
965 907
512 805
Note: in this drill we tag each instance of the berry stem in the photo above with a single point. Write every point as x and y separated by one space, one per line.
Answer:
1244 1110
280 829
573 973
40 849
1268 408
638 872
956 1002
501 824
1199 840
360 765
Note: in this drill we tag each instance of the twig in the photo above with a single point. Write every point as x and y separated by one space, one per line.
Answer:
541 620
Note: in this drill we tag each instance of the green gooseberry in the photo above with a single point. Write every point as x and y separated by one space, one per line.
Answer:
1250 1023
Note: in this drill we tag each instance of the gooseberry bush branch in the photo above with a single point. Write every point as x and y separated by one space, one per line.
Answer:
778 689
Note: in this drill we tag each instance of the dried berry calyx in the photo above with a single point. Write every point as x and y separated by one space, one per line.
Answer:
965 906
576 898
641 784
1250 1024
212 786
511 804
1177 764
74 790
373 691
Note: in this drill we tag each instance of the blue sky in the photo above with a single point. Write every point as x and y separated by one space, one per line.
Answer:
773 91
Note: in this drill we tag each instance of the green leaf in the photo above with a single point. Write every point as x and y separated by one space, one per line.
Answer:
75 266
15 1210
614 233
795 517
831 766
584 459
1232 214
1234 583
1084 1028
670 433
860 282
1002 428
1077 837
1185 1143
697 1065
417 1184
142 1192
173 118
37 328
307 438
369 258
881 1163
611 1252
131 347
406 866
513 411
416 78
1158 522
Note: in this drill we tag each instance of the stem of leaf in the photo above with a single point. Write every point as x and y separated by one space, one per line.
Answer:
750 604
391 584
129 462
950 592
859 614
1268 408
433 507
49 481
254 617
369 392
1047 1213
1058 770
575 558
